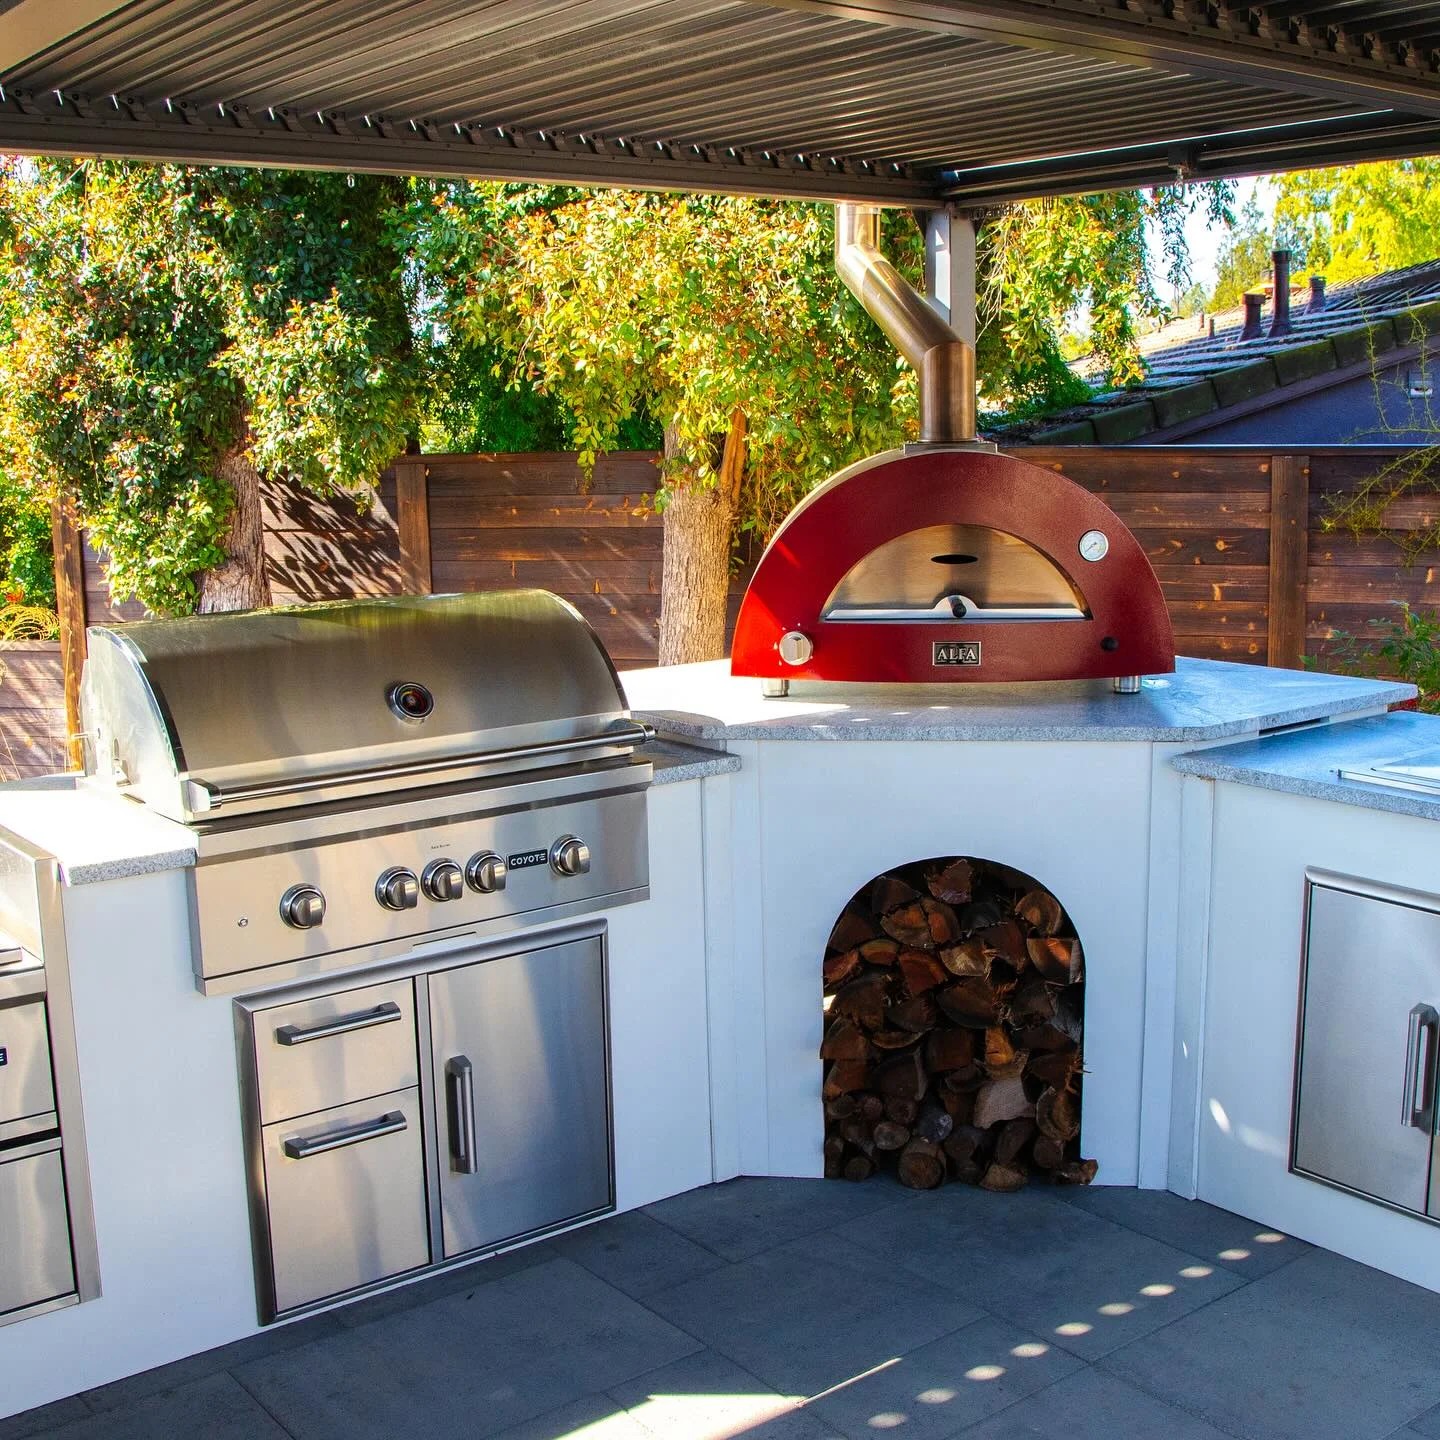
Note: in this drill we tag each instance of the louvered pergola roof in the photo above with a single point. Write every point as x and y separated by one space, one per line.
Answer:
901 101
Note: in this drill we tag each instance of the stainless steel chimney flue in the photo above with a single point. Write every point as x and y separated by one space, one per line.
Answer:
944 363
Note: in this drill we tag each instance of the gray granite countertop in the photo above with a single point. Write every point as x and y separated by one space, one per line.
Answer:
675 761
1202 700
95 836
1307 762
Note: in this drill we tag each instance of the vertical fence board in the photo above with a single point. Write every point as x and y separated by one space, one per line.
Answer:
412 507
1289 557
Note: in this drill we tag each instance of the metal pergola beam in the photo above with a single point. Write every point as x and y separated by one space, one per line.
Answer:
30 27
1295 147
187 134
1182 37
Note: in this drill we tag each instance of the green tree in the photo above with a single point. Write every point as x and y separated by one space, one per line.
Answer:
1244 262
721 318
1044 264
175 333
1363 219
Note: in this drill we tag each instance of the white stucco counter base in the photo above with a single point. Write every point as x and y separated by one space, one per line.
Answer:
161 1097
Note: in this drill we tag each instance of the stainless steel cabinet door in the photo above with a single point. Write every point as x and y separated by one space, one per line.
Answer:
519 1046
1366 1091
35 1262
345 1191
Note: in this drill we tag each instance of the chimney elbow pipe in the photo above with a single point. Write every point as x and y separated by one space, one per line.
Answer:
944 363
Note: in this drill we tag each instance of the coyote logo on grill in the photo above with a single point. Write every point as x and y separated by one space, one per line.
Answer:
956 652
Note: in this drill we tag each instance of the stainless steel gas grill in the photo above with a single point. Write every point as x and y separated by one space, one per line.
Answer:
361 774
422 794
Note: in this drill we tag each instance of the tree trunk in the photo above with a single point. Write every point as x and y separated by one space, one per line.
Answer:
240 582
695 578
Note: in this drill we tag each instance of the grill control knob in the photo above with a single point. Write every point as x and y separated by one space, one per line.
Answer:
486 872
398 889
443 880
302 907
569 856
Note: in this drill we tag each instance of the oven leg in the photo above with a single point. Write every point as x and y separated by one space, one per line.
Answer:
774 689
1126 684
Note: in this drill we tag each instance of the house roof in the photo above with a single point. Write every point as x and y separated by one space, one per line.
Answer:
1200 371
905 101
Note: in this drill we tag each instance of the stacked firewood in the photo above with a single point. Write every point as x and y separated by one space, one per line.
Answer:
954 1006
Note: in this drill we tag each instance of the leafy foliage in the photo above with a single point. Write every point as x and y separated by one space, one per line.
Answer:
27 562
1048 262
1363 219
1244 262
161 316
620 304
1406 646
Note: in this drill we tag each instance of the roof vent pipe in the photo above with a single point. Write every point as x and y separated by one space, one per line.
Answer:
1317 295
1254 299
944 363
1280 320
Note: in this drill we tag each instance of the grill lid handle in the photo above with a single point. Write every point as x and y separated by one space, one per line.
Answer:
203 797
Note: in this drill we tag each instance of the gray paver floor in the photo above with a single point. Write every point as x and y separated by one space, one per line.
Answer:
813 1310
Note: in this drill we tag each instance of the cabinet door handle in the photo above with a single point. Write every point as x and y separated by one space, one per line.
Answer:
303 1147
382 1014
460 1101
1417 1106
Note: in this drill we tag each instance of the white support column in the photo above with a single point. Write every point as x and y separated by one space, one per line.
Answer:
950 269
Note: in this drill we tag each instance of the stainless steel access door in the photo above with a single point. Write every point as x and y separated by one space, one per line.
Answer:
521 1074
1366 1069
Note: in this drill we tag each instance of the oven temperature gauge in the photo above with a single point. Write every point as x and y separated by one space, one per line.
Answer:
1094 545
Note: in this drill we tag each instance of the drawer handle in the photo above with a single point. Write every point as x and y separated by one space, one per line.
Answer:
1417 1105
302 1148
15 955
460 1102
382 1014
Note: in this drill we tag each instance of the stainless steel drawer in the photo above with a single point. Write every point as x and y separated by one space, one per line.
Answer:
35 1263
345 1196
26 1085
314 1054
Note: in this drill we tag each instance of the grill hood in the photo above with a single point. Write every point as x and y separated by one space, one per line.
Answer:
264 709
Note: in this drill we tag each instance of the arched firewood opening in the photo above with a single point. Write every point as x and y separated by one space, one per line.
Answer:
954 995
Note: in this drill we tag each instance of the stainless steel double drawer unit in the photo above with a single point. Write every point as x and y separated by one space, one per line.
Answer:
433 1114
47 1243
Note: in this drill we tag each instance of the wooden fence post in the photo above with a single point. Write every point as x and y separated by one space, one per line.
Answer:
70 603
1289 558
412 519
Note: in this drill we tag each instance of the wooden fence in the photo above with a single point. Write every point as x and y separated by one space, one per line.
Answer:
1236 536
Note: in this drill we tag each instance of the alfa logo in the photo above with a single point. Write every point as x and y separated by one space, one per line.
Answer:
956 652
